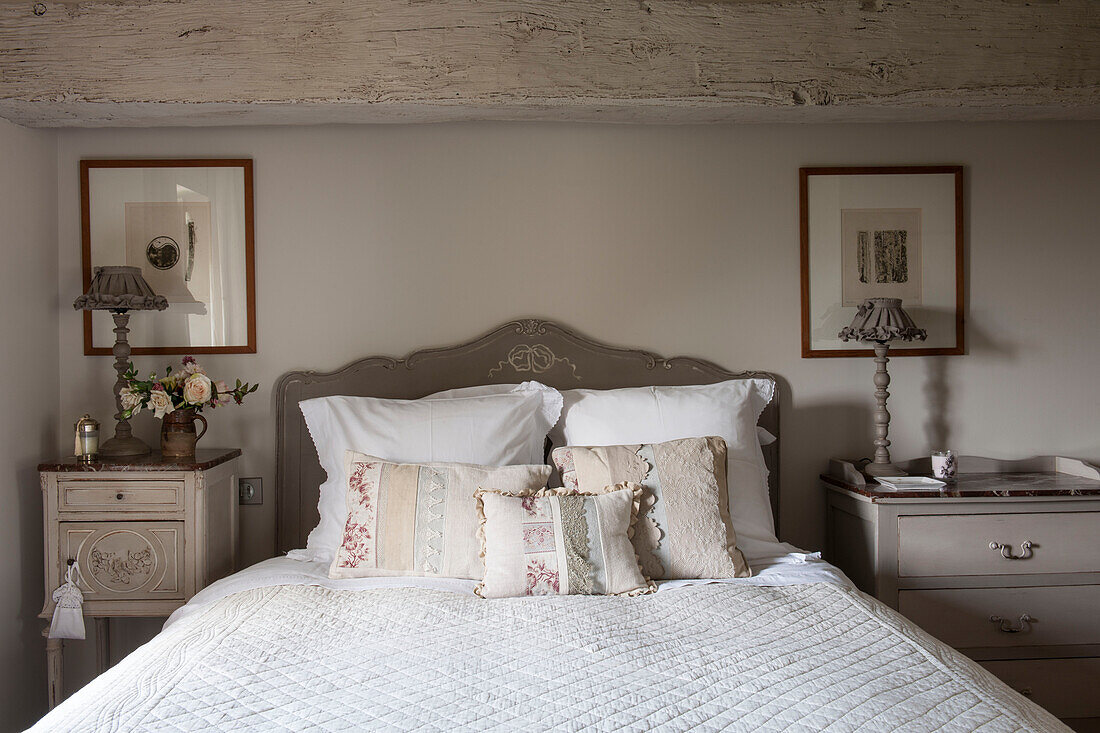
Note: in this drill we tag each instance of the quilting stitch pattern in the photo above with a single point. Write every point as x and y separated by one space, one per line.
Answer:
709 657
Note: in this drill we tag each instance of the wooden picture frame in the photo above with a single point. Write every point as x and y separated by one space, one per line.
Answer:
231 245
926 202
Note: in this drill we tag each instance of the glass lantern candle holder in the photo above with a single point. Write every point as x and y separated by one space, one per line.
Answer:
87 439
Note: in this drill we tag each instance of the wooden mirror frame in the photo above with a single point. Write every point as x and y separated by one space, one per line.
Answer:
249 243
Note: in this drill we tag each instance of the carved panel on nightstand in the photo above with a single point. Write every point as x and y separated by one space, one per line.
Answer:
134 559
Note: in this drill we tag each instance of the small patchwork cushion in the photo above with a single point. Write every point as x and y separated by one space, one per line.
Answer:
419 519
684 528
560 542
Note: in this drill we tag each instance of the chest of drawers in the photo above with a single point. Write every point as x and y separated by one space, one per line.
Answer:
1003 565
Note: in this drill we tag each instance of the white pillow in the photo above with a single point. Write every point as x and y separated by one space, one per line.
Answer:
552 400
729 410
503 429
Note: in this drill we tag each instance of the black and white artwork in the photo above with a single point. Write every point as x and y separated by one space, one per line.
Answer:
171 242
163 253
880 255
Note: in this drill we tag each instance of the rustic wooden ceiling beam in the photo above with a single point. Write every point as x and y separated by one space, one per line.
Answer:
128 62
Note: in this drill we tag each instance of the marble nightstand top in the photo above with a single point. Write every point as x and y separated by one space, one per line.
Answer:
1044 476
204 459
1039 483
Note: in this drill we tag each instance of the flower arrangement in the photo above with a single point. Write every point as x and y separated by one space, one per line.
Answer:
188 388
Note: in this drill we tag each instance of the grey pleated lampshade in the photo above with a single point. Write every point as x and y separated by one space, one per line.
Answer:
882 320
120 288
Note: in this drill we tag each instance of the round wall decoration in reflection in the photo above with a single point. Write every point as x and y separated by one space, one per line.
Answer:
163 253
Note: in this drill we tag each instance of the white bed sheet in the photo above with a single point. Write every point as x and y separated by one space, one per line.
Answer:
778 564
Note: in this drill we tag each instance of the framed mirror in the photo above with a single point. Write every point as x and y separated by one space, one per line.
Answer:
188 224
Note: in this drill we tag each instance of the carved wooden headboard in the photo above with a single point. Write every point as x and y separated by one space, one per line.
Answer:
515 352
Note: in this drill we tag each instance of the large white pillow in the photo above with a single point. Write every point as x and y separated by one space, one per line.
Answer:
658 414
551 397
503 429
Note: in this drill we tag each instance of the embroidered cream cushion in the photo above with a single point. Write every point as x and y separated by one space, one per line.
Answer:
684 528
559 542
419 519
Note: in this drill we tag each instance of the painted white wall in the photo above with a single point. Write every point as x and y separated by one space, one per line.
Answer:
682 240
28 395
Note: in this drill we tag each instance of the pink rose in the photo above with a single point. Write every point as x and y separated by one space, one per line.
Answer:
197 389
224 393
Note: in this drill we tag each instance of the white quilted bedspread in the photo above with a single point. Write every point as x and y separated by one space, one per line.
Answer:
706 657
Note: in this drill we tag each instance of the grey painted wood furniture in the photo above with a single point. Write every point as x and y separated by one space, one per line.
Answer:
1004 565
148 533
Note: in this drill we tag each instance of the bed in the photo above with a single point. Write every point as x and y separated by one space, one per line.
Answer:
281 646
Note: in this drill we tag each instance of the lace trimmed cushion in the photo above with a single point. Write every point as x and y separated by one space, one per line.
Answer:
684 529
419 519
639 415
560 542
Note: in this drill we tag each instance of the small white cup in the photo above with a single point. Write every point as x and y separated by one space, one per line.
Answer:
944 465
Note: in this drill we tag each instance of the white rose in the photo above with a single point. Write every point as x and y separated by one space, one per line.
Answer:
192 367
161 403
196 390
130 401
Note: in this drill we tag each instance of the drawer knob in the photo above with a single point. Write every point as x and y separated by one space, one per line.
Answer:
119 496
1004 625
1026 551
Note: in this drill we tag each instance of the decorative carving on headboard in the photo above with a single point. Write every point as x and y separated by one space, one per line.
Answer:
530 326
527 348
533 358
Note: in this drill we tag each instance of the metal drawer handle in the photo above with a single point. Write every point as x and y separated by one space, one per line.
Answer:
119 496
1026 551
1006 626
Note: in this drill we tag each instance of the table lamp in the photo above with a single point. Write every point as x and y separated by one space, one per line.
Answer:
120 290
880 321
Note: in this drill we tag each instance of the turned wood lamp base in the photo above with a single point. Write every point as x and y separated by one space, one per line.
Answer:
882 465
123 444
119 447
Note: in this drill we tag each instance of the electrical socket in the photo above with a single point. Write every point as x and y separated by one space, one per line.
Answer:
250 491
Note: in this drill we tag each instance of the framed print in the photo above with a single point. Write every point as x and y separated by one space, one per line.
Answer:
188 224
892 232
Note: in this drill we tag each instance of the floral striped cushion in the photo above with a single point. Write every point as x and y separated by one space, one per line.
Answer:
560 542
419 519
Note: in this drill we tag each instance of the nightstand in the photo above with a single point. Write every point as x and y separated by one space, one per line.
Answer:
148 533
1003 564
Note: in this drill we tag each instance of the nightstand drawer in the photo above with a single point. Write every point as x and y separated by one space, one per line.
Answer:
949 545
126 560
119 495
1065 687
1034 616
